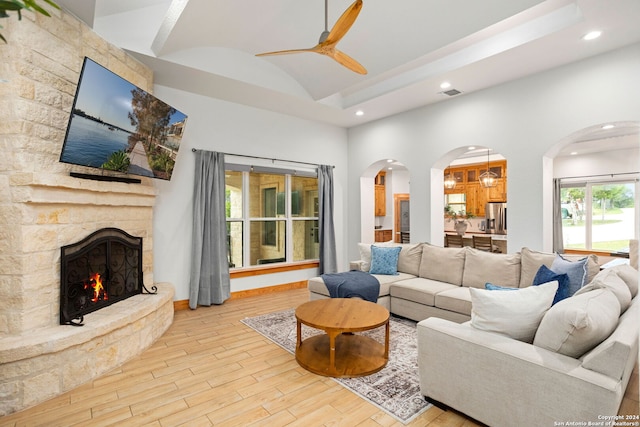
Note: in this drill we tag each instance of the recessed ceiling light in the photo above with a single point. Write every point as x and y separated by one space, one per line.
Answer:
573 153
607 127
445 85
592 35
471 148
390 168
389 160
359 113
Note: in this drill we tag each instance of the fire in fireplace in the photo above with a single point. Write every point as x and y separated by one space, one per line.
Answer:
100 270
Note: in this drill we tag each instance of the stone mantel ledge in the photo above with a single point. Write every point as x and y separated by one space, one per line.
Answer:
29 187
97 324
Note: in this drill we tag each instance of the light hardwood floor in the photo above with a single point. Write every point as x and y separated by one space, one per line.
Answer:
211 369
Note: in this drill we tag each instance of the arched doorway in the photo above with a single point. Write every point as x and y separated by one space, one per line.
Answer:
385 202
591 189
465 199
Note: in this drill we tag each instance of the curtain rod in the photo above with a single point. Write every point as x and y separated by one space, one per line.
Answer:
599 176
265 158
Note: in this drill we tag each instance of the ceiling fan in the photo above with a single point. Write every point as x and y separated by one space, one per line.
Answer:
329 39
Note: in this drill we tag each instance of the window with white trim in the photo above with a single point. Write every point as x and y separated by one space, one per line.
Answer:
272 216
599 215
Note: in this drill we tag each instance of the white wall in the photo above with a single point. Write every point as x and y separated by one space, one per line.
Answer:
609 162
521 120
222 126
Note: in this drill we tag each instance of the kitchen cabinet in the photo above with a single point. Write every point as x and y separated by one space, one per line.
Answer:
380 198
383 235
476 195
499 192
476 199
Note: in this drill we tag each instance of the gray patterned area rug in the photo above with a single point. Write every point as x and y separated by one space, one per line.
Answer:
394 389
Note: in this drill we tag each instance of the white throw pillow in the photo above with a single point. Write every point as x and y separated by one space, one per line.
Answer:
577 324
515 314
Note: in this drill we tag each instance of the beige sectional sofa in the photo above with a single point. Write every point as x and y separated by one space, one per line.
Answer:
576 367
433 281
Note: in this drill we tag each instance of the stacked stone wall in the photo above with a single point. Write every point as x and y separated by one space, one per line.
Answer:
43 208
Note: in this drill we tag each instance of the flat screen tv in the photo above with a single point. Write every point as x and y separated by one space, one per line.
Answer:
114 125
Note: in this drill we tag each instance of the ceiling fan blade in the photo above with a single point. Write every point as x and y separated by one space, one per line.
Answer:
344 23
326 46
286 52
344 59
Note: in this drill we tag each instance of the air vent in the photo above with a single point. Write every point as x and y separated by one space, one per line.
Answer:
452 92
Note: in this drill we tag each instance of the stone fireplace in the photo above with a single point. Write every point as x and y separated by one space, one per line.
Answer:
43 208
41 358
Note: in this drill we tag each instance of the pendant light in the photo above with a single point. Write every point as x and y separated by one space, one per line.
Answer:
449 180
488 179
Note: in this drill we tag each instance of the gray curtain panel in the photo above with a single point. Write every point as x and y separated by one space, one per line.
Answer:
210 283
558 243
328 263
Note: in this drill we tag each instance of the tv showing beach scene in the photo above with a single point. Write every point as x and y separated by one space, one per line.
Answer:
116 126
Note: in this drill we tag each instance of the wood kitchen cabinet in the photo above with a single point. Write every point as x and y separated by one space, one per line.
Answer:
476 195
380 198
499 192
476 199
383 235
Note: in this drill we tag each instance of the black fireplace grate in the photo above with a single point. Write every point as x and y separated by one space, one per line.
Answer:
100 270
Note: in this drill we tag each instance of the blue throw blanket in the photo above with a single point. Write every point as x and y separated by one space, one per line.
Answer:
352 283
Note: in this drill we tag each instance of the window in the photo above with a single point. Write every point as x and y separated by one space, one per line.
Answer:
272 217
599 216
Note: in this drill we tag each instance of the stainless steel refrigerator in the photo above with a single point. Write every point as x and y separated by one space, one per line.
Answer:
496 218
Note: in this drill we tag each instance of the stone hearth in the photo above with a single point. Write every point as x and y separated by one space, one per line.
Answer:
41 358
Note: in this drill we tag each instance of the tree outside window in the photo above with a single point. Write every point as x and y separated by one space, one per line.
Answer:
599 216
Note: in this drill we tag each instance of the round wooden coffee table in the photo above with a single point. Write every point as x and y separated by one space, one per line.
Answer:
340 352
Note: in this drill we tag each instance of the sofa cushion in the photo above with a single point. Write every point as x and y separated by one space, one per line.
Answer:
530 264
612 355
365 253
365 256
633 253
515 314
577 324
410 258
491 287
384 260
576 270
560 293
457 300
499 269
593 267
442 264
545 274
608 279
408 261
629 275
316 284
419 290
532 260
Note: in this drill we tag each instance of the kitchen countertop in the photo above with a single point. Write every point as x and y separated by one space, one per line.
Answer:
470 235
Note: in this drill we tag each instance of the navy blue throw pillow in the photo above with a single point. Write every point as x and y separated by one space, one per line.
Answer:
545 274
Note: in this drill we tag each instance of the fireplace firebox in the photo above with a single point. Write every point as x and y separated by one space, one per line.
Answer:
101 269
